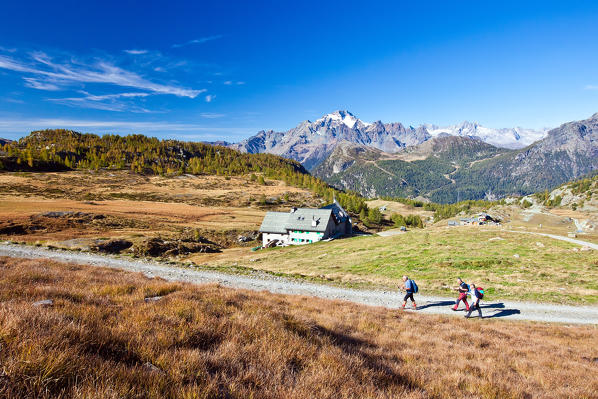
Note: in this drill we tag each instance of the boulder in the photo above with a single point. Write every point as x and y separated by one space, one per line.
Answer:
152 299
113 246
44 303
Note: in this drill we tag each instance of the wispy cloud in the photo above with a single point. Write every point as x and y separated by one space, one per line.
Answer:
230 82
136 52
106 102
210 115
198 41
16 128
36 84
47 73
13 100
591 87
210 98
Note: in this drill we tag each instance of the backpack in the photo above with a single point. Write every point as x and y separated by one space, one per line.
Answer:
480 291
414 287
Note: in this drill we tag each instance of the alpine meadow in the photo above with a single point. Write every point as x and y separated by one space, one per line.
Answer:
298 200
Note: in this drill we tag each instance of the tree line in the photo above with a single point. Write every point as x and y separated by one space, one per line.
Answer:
61 149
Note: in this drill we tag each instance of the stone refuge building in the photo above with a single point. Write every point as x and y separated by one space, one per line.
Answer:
305 225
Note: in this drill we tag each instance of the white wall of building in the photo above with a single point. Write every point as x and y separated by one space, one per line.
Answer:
304 237
267 237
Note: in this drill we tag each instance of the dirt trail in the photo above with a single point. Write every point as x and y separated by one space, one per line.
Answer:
562 238
427 304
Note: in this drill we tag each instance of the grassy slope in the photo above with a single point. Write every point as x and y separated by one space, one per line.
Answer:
546 270
137 207
207 342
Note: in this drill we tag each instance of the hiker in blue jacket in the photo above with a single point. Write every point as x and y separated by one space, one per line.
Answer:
410 288
476 296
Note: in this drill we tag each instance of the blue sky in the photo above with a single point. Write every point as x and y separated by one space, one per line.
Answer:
224 70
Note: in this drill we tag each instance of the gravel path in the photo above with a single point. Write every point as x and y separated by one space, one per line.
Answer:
562 238
427 304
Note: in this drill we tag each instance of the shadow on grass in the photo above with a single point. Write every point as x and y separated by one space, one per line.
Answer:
380 367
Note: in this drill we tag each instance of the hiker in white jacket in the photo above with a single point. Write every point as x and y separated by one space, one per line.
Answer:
475 301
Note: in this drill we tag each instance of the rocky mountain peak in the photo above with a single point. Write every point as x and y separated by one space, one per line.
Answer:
344 117
311 142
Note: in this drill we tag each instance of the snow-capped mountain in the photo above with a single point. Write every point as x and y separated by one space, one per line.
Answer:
311 142
447 168
345 117
513 138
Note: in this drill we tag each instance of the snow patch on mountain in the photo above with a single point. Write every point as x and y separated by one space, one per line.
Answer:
513 138
344 117
311 142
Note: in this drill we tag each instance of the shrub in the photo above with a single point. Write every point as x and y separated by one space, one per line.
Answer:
526 204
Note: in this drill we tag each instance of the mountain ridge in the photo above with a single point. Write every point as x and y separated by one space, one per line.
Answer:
467 168
311 142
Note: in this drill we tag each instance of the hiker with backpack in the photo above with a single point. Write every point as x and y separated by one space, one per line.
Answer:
410 288
477 293
463 290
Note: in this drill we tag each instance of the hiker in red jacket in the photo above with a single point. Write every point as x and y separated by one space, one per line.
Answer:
463 290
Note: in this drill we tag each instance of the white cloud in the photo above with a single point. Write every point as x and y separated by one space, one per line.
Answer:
186 131
36 84
59 75
8 50
13 100
106 102
591 87
210 115
198 41
135 52
228 82
210 98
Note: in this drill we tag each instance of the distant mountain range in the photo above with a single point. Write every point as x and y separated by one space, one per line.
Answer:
444 164
449 168
311 142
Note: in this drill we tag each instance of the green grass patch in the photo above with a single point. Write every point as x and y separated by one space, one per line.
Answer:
513 266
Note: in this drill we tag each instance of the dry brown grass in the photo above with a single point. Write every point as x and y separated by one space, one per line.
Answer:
208 342
138 206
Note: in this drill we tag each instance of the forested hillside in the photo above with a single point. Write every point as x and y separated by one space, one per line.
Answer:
425 170
59 149
450 169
